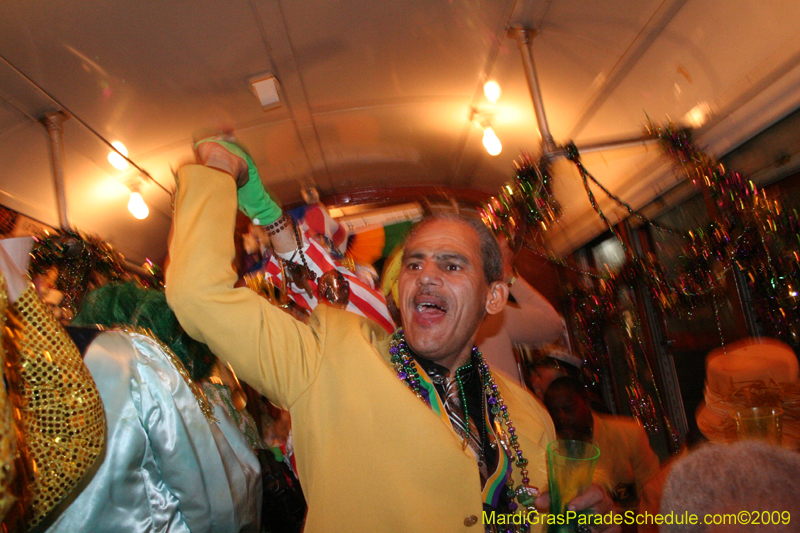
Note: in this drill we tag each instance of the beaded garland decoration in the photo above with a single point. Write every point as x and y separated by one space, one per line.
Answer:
407 372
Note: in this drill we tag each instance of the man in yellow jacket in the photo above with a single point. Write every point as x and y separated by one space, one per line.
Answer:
392 433
627 462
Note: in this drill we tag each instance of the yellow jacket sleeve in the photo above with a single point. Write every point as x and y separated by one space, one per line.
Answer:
276 354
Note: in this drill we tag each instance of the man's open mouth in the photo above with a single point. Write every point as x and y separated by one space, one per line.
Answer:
425 306
429 306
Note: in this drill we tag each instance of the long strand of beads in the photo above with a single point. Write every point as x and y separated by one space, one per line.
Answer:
403 363
299 241
406 371
525 494
460 380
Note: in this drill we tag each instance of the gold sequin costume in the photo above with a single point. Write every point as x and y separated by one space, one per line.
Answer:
60 411
7 433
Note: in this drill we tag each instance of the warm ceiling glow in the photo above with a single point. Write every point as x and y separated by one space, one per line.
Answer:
137 207
491 142
492 91
116 160
698 115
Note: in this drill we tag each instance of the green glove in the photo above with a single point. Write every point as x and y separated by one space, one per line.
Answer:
276 452
253 199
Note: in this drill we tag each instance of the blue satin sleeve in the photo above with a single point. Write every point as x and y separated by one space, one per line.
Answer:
165 467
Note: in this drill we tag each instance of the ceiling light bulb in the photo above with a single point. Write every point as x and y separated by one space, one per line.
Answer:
492 91
137 207
116 160
491 142
698 115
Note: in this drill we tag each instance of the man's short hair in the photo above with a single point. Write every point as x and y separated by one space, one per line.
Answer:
719 479
491 259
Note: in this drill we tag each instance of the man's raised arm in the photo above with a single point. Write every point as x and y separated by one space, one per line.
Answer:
274 353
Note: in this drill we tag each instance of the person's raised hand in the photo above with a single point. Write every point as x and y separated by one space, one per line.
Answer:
214 155
593 500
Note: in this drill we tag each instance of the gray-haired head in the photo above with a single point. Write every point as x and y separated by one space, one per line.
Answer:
723 480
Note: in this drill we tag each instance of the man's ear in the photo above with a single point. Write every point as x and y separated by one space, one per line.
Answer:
497 297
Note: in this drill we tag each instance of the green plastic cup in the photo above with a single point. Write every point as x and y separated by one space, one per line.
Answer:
570 467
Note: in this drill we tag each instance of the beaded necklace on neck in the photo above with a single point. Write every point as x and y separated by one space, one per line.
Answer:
403 362
460 373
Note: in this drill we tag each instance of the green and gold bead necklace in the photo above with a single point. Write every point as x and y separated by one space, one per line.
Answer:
407 372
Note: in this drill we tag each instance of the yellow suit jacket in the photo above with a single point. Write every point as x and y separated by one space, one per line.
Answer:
626 461
371 456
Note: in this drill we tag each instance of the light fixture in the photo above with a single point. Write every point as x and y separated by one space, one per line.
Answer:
491 142
267 90
483 119
698 115
136 204
116 160
491 89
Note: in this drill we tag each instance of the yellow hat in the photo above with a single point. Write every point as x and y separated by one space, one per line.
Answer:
391 271
750 373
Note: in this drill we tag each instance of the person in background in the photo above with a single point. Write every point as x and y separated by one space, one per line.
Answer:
529 320
553 364
753 477
58 428
627 462
170 460
748 373
313 270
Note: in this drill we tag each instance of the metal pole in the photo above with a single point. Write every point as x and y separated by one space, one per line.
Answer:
523 37
53 121
609 145
550 150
